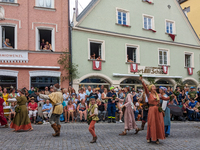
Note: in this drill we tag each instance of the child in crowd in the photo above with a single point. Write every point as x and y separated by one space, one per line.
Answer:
185 107
197 107
75 103
12 110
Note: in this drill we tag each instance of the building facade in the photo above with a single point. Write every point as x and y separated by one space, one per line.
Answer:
25 61
191 9
131 37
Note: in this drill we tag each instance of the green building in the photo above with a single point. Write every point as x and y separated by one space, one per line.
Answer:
132 37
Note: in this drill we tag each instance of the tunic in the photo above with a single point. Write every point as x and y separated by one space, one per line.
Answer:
21 120
129 117
3 120
155 127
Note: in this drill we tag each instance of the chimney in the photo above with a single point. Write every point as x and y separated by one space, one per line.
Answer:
74 17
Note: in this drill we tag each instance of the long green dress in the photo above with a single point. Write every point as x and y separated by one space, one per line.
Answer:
21 120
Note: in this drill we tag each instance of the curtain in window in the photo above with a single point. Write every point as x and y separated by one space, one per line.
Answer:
48 3
45 3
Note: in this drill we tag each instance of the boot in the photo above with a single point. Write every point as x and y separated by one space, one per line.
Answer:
94 140
142 126
59 126
109 120
113 121
54 126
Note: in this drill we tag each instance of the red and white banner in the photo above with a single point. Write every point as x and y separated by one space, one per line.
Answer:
134 67
172 36
190 71
96 65
165 69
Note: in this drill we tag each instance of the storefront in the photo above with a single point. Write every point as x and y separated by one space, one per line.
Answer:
8 81
131 82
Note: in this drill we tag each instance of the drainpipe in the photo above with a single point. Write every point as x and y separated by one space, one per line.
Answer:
70 41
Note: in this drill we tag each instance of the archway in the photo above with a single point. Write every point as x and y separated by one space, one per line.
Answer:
94 82
132 82
164 82
190 83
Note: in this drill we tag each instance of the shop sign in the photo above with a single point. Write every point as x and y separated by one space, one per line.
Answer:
13 56
150 70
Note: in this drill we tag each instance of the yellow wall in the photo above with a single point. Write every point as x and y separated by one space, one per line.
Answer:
194 14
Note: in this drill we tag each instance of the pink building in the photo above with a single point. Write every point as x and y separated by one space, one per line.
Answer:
24 60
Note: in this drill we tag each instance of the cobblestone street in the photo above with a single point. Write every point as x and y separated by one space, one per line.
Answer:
76 136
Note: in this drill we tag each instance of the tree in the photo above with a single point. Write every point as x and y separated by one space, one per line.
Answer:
70 69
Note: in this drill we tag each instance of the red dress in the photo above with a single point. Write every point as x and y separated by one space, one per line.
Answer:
3 120
155 126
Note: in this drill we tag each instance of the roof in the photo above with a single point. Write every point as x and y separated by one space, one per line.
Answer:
86 10
182 1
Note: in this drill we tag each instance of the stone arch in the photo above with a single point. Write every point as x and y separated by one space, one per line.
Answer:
137 78
191 79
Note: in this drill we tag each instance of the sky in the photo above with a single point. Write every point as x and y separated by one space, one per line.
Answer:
82 4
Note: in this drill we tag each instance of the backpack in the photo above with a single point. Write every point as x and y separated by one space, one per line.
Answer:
62 118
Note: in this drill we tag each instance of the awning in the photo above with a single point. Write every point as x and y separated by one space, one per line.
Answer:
145 75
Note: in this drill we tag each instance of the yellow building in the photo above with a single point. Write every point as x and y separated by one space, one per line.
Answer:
192 11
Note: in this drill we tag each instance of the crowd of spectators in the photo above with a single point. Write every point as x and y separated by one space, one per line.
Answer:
76 103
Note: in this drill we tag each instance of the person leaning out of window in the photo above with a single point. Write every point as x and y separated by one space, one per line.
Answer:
6 44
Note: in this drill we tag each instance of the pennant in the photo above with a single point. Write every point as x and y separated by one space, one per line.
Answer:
165 69
152 30
172 36
96 65
134 67
190 71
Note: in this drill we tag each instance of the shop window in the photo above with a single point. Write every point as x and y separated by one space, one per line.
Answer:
131 54
9 1
96 50
8 37
45 3
42 82
7 81
45 38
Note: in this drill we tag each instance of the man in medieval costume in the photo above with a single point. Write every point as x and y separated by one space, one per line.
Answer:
56 100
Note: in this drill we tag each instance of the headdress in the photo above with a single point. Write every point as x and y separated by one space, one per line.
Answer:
112 88
163 88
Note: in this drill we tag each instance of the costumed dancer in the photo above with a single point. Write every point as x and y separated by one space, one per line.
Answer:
145 108
129 117
56 100
164 101
93 117
21 120
3 120
155 127
111 105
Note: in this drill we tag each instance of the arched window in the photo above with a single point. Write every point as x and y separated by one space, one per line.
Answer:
165 83
133 83
190 83
94 82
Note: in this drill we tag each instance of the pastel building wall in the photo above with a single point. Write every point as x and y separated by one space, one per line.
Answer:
25 23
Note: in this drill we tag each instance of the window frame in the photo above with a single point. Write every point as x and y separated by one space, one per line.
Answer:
168 56
127 16
102 42
174 26
37 36
152 22
137 52
15 36
191 59
52 1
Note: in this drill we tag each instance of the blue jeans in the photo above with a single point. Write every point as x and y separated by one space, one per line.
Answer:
167 130
111 110
190 115
136 114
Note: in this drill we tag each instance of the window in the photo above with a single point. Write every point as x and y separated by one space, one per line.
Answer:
189 59
42 82
8 37
162 57
45 39
122 17
7 81
45 3
9 1
96 49
170 27
132 53
148 22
